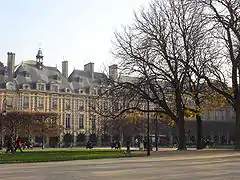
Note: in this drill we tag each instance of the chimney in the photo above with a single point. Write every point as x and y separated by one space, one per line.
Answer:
113 72
65 69
10 65
89 68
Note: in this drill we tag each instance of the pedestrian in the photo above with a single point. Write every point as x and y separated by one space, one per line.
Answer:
128 146
18 144
10 146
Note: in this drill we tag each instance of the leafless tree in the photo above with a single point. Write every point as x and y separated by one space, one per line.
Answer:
224 71
152 49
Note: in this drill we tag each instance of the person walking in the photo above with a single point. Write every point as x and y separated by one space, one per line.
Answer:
10 146
128 146
18 144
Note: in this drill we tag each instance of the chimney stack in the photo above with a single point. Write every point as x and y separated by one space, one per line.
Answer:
113 72
89 68
10 65
65 69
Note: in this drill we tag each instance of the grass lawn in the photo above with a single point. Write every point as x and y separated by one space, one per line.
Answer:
224 147
48 155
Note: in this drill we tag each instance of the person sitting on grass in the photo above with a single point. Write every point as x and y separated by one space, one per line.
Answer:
18 144
10 146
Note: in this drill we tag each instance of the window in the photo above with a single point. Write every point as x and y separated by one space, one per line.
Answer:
25 86
92 105
10 102
115 107
67 90
93 92
54 103
93 122
41 103
67 119
81 121
81 91
10 86
55 88
67 104
81 105
25 102
41 87
105 106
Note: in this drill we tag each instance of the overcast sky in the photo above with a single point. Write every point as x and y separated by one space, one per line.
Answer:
79 31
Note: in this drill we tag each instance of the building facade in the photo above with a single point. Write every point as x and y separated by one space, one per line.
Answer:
33 87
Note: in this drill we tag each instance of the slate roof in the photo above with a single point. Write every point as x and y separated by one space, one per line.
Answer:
45 74
80 79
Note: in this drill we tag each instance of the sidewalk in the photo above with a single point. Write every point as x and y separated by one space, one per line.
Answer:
191 153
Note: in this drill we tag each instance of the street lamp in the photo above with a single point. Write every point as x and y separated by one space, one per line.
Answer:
148 129
156 132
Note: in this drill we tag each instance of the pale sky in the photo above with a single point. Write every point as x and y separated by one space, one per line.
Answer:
78 30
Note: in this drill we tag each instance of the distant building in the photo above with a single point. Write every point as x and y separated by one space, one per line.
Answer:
33 87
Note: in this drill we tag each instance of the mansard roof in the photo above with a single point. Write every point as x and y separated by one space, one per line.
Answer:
28 73
80 79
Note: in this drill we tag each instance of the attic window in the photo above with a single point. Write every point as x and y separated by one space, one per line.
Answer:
54 88
25 86
93 91
81 91
41 87
67 90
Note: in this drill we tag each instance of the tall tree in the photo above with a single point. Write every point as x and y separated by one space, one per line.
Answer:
152 49
224 26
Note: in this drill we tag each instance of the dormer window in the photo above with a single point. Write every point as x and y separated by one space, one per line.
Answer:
41 87
93 91
26 86
10 86
54 87
67 90
81 91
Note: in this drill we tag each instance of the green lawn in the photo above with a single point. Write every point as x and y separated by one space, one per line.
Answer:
224 147
48 155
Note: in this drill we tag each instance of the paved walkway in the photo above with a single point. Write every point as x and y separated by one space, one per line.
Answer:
190 165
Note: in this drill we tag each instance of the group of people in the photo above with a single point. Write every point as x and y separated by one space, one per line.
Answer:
12 145
116 144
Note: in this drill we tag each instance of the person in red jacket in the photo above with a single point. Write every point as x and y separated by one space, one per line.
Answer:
18 144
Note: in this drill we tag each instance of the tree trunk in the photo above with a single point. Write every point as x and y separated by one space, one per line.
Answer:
199 132
181 121
181 132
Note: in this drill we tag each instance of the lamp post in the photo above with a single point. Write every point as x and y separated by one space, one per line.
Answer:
156 133
148 129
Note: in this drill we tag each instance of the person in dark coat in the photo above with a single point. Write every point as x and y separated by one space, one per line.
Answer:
10 145
128 146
